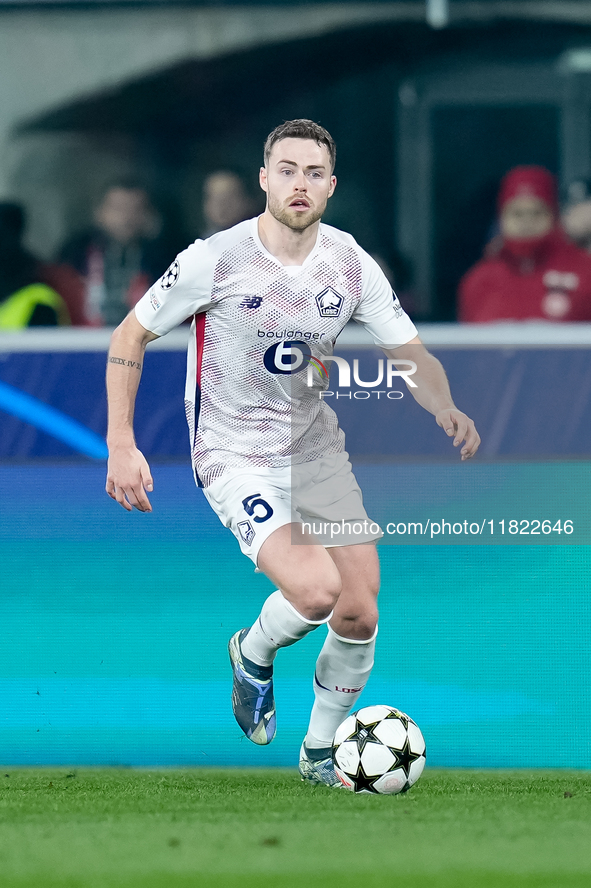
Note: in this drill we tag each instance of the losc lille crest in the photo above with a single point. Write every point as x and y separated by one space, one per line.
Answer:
329 303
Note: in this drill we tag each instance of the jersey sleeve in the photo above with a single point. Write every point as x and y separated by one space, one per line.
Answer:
379 310
184 289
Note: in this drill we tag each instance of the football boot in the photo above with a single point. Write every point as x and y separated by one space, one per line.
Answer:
316 766
252 694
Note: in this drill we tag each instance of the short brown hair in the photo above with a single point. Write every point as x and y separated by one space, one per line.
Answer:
301 129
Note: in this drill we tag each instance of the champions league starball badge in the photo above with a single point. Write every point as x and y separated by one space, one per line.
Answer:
171 276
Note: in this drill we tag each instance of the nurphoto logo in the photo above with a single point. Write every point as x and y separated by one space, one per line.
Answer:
294 356
387 371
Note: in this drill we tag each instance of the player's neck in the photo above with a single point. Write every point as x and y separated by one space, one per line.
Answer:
288 246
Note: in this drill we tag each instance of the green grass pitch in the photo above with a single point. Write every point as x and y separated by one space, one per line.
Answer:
92 828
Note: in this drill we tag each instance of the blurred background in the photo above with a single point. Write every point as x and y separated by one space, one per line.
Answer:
127 130
426 119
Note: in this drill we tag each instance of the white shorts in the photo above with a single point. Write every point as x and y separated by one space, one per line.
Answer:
322 495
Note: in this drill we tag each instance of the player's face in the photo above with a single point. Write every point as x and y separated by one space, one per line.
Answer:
298 182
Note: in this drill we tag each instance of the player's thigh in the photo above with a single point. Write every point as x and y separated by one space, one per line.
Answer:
302 569
356 613
359 568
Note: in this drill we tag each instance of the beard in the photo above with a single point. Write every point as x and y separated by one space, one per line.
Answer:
293 219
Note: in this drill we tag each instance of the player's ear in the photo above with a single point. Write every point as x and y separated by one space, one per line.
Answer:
263 178
333 185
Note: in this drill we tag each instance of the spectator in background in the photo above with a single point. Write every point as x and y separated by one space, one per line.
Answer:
121 256
32 293
226 202
530 271
576 217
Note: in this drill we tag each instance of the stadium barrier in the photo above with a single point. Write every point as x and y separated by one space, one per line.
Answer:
528 388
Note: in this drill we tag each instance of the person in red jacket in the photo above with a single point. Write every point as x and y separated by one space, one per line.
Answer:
531 271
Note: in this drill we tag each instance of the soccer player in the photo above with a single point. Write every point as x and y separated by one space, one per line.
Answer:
269 297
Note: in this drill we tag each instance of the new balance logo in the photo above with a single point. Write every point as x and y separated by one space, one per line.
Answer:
251 302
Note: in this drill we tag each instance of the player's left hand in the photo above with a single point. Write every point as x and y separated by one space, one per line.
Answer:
454 422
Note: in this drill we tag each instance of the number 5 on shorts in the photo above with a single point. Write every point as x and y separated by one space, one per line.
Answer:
251 502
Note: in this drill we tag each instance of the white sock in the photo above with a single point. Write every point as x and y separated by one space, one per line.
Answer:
342 670
279 625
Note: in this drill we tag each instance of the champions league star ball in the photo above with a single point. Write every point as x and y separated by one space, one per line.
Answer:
378 749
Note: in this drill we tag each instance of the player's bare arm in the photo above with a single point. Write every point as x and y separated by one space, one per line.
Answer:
128 474
431 391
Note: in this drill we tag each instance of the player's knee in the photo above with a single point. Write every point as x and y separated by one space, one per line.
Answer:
365 625
317 599
355 622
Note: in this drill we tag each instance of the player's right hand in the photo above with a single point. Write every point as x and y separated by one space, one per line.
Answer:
129 478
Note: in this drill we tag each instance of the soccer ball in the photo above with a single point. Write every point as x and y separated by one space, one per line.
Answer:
378 749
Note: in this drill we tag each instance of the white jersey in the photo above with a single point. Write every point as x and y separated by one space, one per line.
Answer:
256 325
